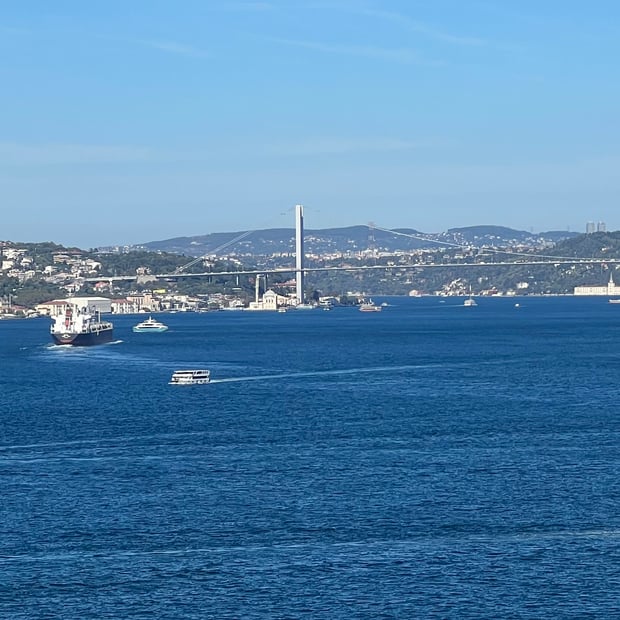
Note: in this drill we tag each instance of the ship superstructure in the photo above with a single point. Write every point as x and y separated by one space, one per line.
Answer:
80 326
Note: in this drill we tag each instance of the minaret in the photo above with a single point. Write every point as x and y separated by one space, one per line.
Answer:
257 288
299 253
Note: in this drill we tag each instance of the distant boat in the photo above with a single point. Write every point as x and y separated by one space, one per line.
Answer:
369 306
614 301
470 301
190 377
150 325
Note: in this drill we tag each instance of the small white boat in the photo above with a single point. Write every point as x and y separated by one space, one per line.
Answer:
150 325
614 301
470 301
190 377
369 306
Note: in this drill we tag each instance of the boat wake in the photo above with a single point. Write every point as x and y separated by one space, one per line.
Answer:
322 373
355 371
69 347
401 544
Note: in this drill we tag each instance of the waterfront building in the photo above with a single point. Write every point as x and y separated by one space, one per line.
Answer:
123 306
610 289
59 306
270 301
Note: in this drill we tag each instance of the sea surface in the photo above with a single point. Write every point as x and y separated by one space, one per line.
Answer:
428 461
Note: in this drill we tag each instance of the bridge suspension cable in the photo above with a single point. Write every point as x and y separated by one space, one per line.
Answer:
372 226
464 246
214 251
219 248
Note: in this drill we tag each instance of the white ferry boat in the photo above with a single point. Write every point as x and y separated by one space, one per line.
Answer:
150 325
369 306
190 377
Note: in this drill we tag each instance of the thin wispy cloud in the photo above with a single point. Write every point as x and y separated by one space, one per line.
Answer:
172 47
8 30
507 12
402 21
55 154
247 6
342 146
400 55
423 28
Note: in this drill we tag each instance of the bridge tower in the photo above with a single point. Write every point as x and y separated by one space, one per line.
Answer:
371 238
299 253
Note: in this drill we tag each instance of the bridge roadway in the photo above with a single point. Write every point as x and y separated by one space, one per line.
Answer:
255 272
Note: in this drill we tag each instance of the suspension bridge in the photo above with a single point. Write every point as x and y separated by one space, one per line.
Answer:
520 259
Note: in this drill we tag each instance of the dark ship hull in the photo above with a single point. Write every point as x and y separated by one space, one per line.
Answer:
84 339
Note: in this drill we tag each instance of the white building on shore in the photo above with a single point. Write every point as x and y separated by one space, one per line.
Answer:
609 289
270 301
59 306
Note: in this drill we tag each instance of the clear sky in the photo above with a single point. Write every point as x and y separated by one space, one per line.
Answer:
124 121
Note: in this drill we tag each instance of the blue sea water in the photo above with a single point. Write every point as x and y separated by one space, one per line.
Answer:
428 461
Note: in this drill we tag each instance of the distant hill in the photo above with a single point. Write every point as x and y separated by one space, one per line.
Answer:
493 235
560 235
593 245
352 238
489 232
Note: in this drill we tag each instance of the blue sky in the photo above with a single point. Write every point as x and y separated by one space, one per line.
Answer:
125 122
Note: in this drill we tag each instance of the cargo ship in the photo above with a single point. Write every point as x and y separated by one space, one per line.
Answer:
81 327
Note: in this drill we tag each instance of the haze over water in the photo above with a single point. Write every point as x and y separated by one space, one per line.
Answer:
430 460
